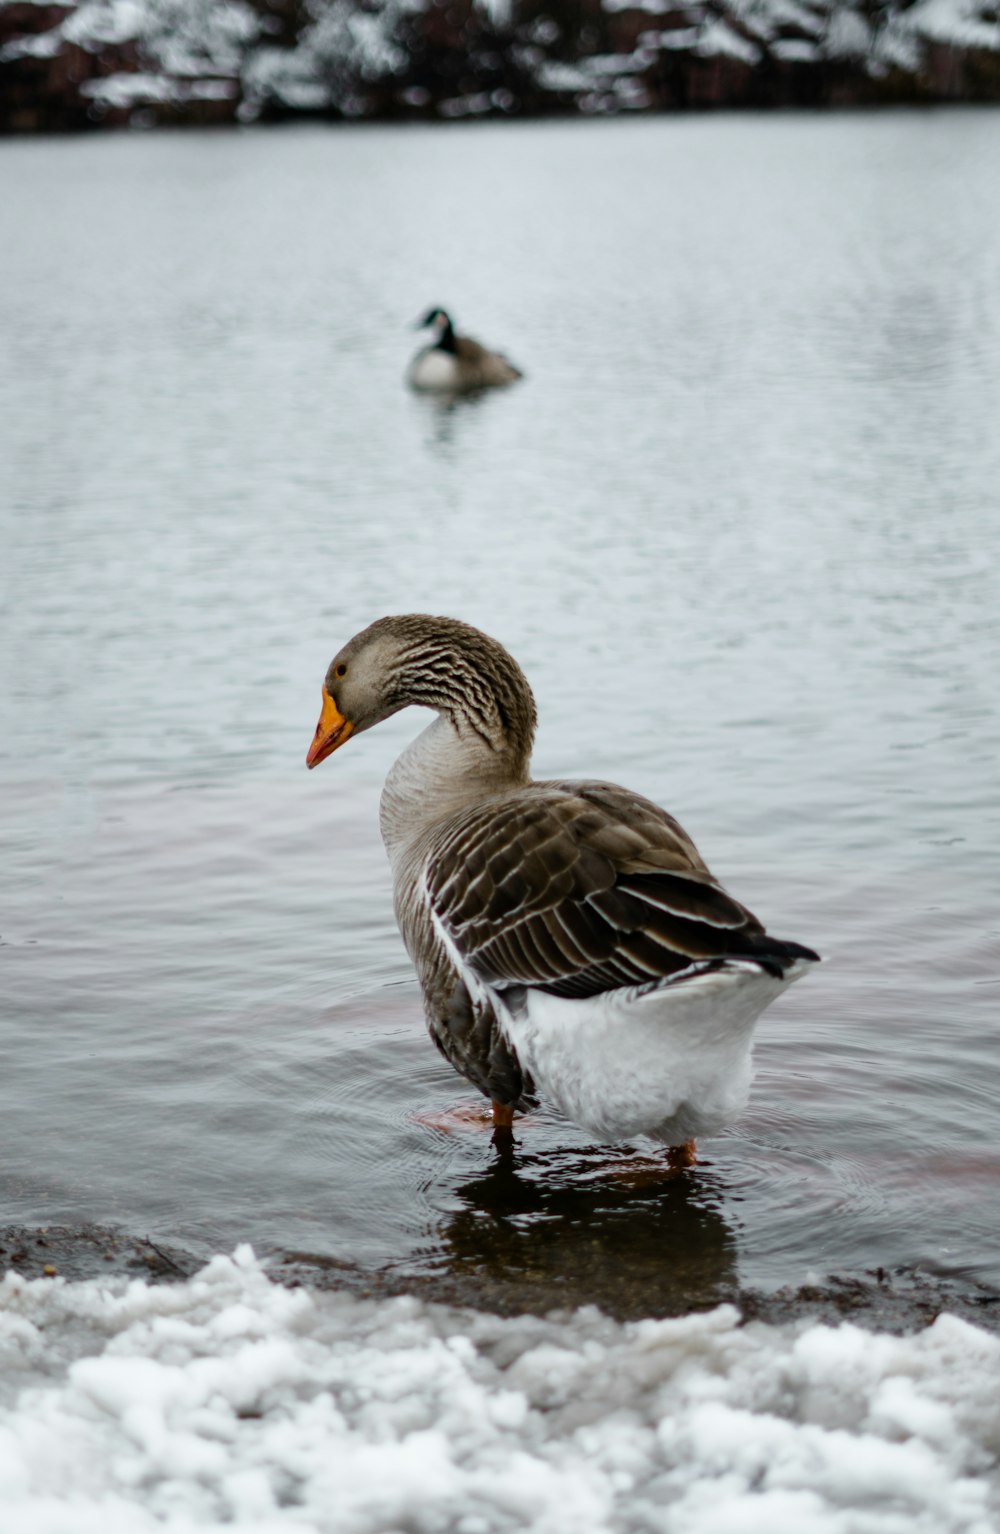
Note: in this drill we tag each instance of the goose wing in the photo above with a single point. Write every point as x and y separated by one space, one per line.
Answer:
581 888
470 351
487 366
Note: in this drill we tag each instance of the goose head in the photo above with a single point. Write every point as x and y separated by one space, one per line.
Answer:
437 663
439 321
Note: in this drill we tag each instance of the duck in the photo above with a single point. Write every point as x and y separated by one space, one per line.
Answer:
569 939
455 364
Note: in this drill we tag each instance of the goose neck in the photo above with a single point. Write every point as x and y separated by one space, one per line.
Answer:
440 773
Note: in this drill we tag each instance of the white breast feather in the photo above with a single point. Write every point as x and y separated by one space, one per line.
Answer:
434 369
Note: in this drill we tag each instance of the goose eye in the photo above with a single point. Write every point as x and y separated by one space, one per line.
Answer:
340 670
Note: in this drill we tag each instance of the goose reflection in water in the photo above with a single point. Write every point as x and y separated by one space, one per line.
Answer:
446 412
588 1227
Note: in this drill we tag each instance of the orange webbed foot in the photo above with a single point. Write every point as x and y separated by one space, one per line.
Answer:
646 1171
462 1118
469 1116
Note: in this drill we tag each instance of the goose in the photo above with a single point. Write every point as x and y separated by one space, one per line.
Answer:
568 937
456 364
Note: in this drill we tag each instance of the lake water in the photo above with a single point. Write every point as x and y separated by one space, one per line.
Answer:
739 524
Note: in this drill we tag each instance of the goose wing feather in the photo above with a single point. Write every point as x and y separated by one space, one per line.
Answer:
581 888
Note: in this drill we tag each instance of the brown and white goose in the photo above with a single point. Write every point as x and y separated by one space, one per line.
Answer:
454 364
568 937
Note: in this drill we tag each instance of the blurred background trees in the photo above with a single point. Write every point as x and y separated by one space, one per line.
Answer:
67 65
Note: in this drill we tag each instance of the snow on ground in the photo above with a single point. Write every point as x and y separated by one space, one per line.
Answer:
227 1402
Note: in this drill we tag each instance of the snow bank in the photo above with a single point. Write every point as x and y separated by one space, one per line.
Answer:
228 1402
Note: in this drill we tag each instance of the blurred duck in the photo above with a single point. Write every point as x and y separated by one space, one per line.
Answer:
454 364
568 936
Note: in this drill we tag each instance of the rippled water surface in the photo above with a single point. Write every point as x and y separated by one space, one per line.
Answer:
740 525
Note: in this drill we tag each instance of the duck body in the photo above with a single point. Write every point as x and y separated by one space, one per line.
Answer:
454 364
568 937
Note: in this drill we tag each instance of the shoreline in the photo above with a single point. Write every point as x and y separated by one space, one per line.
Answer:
897 1301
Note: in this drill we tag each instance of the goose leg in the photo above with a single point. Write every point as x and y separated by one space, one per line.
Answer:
503 1127
503 1115
680 1156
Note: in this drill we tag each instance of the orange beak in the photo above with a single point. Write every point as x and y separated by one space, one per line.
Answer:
331 732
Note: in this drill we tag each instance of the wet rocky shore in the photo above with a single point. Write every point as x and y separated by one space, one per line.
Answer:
80 64
897 1301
